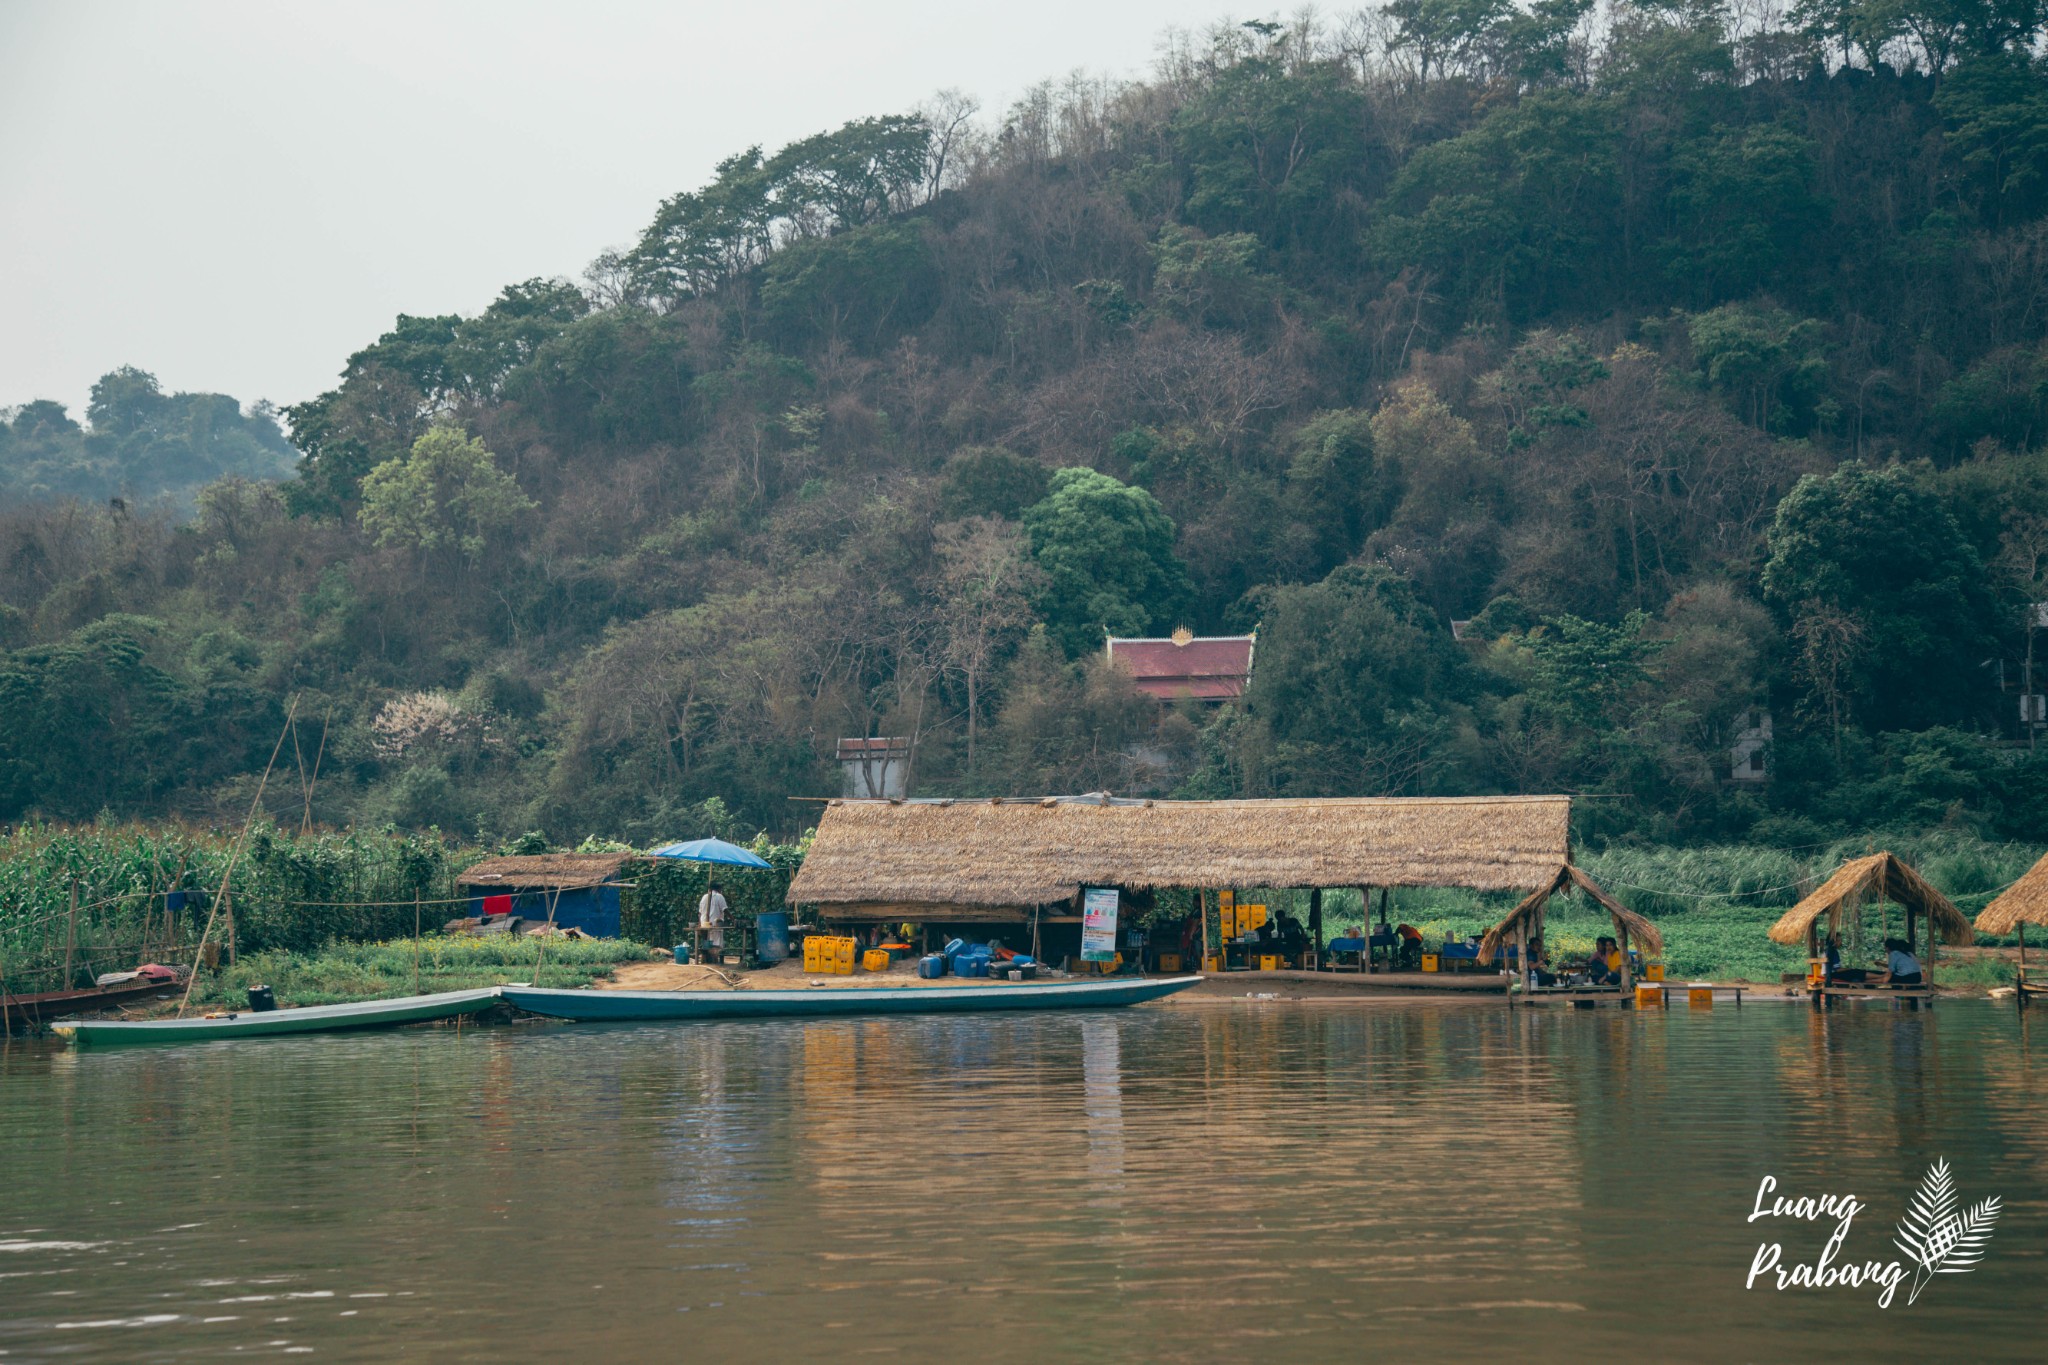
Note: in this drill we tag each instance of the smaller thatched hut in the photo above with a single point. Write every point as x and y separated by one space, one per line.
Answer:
1524 924
1880 876
2024 902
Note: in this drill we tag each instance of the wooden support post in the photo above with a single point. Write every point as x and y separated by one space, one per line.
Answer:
71 934
1203 910
1315 927
1628 978
1365 913
415 943
1383 919
229 895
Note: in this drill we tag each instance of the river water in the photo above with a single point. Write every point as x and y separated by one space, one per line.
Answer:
1217 1181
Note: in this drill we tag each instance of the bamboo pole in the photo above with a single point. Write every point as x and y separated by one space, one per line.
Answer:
415 942
70 933
554 899
234 857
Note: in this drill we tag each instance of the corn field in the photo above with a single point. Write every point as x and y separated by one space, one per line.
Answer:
104 898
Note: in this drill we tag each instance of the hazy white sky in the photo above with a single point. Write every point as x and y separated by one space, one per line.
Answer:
235 196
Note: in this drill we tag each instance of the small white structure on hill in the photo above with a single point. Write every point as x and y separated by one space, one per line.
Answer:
876 768
1752 738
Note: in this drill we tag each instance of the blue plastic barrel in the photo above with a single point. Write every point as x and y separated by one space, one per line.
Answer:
682 951
771 935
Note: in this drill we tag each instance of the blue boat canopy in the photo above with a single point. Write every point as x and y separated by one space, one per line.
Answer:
711 851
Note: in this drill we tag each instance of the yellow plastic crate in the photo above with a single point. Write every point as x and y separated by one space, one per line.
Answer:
1649 997
1229 917
1251 917
1169 962
1212 964
1269 962
875 960
829 956
1653 971
1700 997
1430 962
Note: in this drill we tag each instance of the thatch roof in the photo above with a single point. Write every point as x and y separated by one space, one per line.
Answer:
1037 852
1881 875
1522 918
2024 902
547 871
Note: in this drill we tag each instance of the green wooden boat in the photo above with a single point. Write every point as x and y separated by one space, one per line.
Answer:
591 1006
410 1009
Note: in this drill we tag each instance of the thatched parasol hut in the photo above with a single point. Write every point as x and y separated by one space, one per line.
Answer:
1882 876
2024 902
1524 923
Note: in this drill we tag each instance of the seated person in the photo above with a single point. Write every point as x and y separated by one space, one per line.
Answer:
1409 947
1835 972
1536 960
1603 968
1905 968
1293 938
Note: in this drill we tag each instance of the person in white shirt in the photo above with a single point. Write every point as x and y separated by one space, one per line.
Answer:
711 917
1905 968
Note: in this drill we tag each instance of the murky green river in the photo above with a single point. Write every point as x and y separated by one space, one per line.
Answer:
1223 1181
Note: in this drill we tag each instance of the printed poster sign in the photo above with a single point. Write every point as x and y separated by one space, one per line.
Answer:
1098 924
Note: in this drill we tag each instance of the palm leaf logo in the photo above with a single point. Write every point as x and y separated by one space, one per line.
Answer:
1937 1239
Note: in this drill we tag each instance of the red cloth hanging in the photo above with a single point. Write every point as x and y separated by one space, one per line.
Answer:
497 905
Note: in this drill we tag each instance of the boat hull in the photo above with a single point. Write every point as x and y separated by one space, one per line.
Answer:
35 1009
412 1009
587 1006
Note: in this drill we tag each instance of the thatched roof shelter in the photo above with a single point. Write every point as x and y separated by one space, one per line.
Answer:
1882 876
2024 902
1526 920
545 871
931 858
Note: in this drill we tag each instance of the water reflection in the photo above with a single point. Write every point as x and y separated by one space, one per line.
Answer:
1291 1181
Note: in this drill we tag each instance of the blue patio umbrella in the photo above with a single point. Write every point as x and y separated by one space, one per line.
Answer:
711 851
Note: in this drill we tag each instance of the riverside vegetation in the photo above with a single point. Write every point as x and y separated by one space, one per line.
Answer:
1693 357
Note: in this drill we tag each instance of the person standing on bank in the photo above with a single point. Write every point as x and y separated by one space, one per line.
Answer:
711 918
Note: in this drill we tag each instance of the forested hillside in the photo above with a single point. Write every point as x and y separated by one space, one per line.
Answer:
1701 365
140 445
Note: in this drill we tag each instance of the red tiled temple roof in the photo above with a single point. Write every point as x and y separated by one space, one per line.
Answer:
1212 668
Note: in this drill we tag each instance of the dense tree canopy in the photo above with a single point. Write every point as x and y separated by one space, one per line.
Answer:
1551 387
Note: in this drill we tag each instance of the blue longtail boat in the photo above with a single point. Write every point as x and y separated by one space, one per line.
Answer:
593 1006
